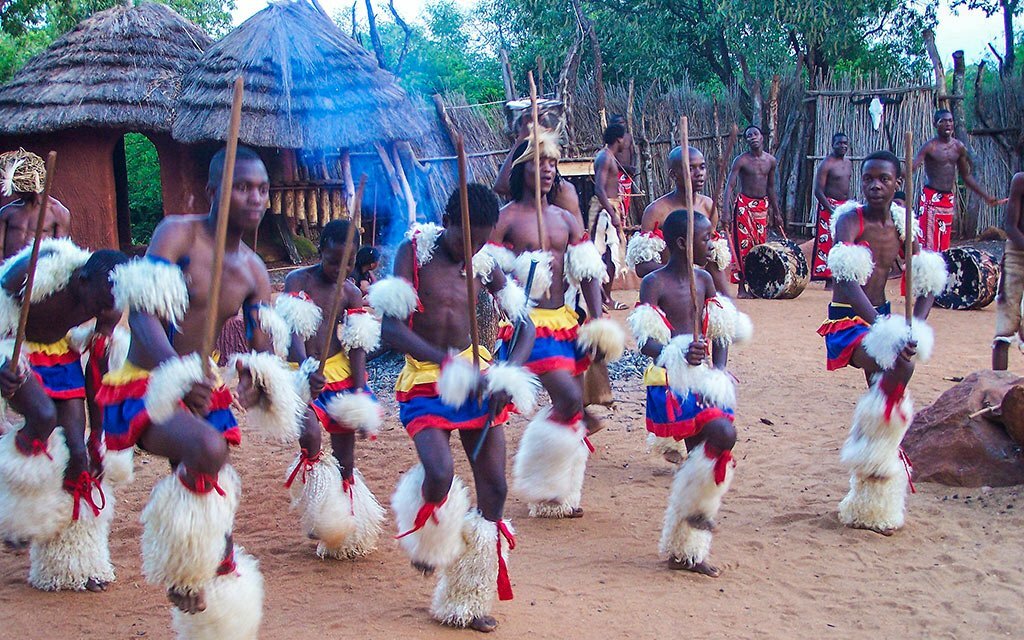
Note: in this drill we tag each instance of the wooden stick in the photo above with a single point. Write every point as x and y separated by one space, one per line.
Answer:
223 208
981 412
684 141
467 248
339 284
30 276
538 202
723 168
908 247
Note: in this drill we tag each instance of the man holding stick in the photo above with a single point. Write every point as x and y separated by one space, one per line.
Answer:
450 384
24 174
831 189
860 332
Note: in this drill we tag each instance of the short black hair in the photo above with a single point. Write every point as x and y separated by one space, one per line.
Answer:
676 223
837 135
334 233
617 117
483 206
366 256
613 132
752 126
939 114
101 263
886 156
243 154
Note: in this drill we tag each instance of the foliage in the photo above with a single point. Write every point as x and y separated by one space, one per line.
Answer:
145 199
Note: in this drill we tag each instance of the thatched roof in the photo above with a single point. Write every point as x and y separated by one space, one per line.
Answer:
119 69
307 85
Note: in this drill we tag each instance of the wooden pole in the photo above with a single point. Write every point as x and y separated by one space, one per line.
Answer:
339 284
223 209
467 248
30 277
538 200
723 169
684 141
908 246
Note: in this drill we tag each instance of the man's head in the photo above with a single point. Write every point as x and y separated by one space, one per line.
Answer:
754 137
840 144
250 189
93 280
880 176
332 248
521 179
617 118
483 215
23 173
698 168
674 229
367 258
613 134
943 122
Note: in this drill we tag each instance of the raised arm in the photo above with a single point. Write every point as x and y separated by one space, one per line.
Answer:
61 219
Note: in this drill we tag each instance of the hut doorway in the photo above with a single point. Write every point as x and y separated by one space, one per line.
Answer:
140 204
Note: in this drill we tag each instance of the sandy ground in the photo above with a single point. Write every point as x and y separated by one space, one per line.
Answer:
790 568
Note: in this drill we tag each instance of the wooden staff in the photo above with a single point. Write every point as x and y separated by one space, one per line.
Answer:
467 250
223 207
908 240
339 284
684 141
30 277
723 168
536 164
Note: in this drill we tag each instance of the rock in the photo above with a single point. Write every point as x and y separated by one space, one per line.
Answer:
1012 412
949 447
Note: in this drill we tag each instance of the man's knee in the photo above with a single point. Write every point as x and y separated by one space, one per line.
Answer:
720 433
437 477
209 454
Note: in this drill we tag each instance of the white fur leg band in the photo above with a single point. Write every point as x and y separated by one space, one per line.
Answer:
234 605
300 312
393 297
603 338
430 533
458 379
644 247
279 407
721 255
151 286
357 411
467 588
584 262
279 331
119 467
929 274
369 520
80 553
33 504
727 324
521 385
360 331
306 369
316 491
542 275
850 263
512 301
169 383
648 323
549 467
696 496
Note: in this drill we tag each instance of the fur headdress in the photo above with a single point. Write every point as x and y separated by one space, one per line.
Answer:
549 147
23 172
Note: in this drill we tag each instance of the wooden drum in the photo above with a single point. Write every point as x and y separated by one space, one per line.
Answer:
776 270
973 279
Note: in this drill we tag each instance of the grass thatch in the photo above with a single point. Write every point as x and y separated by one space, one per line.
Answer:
307 85
119 69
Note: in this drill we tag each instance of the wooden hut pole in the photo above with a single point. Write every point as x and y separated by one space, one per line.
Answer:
339 284
467 251
773 113
30 277
684 142
536 164
410 199
223 207
346 176
911 226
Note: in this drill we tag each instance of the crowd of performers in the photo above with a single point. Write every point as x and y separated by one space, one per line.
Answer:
111 363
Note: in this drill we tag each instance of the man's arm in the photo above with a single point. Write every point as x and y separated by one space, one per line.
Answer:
820 179
849 290
260 295
963 165
502 185
719 351
650 294
646 226
1012 223
357 356
525 331
773 200
919 158
150 342
61 220
591 288
3 231
604 170
396 331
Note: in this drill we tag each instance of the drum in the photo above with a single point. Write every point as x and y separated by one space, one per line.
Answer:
776 270
973 279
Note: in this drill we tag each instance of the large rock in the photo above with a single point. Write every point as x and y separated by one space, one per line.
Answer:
947 446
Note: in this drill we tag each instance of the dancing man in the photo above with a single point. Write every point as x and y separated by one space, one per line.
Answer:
24 174
831 189
1011 281
607 211
860 332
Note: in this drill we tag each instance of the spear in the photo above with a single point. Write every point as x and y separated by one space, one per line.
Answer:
536 165
467 249
684 137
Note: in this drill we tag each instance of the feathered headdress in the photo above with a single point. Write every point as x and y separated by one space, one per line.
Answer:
549 147
22 171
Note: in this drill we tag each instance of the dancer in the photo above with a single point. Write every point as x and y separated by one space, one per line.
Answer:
607 211
860 333
338 510
24 174
164 402
441 390
549 467
1011 281
690 406
50 476
831 189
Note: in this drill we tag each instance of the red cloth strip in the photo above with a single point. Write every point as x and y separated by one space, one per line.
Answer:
202 483
427 512
722 461
34 448
305 464
504 582
82 489
908 466
227 565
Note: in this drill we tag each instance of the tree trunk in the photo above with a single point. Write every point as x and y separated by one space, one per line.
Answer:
567 88
1010 56
506 76
973 209
378 46
937 68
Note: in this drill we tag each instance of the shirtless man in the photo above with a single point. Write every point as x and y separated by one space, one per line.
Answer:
831 189
338 510
942 157
24 176
695 412
563 349
162 401
607 212
751 203
626 157
860 333
60 515
647 251
441 390
1011 282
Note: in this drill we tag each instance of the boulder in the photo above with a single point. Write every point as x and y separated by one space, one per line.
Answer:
948 446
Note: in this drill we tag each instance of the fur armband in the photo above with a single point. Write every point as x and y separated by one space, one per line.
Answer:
58 260
720 254
647 322
850 263
306 369
458 379
521 385
644 247
542 276
357 410
80 337
300 312
393 297
929 274
584 262
512 300
424 237
151 286
713 385
899 219
276 328
726 323
890 334
361 330
169 383
603 338
278 407
502 256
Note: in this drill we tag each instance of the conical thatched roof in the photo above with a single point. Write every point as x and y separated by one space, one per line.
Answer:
307 85
119 69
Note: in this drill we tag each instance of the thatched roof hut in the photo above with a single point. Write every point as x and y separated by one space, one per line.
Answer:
307 86
119 68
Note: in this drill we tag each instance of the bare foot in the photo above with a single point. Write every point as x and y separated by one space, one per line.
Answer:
700 522
674 457
576 513
96 586
880 531
592 423
187 602
424 569
483 624
702 568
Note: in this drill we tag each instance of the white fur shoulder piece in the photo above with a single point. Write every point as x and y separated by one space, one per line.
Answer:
899 219
484 265
847 207
300 312
720 254
502 256
583 262
151 286
644 247
425 236
393 297
850 263
279 331
542 275
647 322
58 259
930 275
361 330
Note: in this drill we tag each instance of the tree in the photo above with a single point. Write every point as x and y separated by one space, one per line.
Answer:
1010 9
